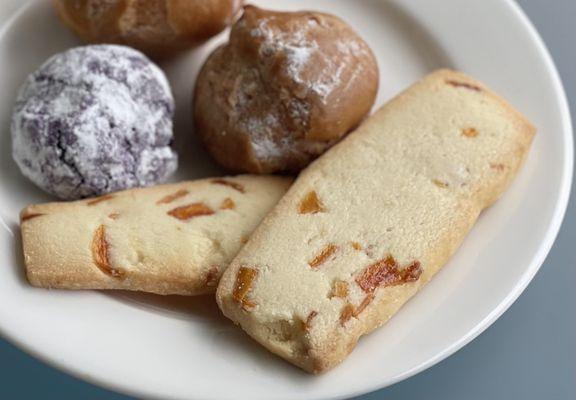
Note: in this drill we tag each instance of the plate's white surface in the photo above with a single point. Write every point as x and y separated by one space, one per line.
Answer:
182 348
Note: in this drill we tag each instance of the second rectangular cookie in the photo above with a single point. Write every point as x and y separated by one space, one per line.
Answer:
370 222
167 239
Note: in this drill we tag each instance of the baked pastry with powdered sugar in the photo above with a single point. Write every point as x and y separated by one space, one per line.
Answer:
156 27
284 89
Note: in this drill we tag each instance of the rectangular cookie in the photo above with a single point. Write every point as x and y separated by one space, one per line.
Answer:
169 239
371 221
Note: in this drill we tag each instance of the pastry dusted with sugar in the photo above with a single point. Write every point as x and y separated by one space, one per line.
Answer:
284 89
371 221
157 27
170 239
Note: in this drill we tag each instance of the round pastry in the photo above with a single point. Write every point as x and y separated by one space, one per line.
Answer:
286 87
157 27
93 120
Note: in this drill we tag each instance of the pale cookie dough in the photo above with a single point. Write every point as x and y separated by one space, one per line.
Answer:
170 239
369 223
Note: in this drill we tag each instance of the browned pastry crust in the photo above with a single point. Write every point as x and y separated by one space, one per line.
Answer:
157 27
284 89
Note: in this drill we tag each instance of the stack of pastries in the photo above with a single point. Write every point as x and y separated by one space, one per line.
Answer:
363 209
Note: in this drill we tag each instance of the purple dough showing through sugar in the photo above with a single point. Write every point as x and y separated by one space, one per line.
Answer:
94 120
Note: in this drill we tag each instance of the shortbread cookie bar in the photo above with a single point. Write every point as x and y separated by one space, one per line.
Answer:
371 221
169 239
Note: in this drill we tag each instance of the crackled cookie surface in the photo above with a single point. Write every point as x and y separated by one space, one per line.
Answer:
93 120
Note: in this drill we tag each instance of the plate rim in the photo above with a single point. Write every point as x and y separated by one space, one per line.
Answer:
543 251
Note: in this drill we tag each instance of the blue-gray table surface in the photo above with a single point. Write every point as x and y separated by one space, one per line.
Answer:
529 353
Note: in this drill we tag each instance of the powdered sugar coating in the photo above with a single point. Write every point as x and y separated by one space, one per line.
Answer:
302 52
93 120
284 89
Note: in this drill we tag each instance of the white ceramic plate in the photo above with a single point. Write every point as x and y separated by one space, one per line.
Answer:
182 348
